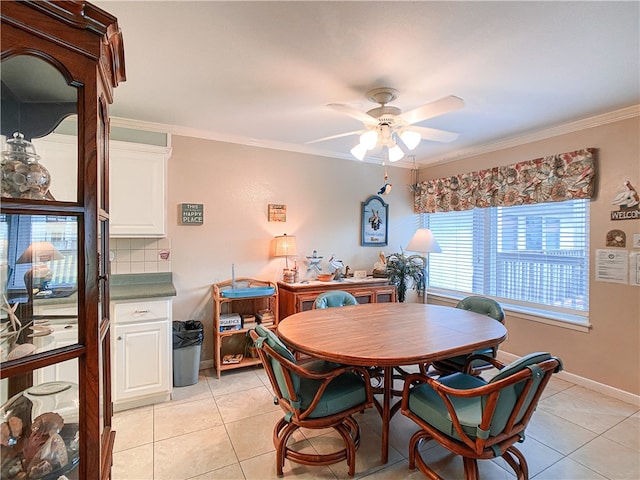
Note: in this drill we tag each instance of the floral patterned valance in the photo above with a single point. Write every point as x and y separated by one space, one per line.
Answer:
565 176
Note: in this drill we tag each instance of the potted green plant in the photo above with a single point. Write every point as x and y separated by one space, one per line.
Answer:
405 271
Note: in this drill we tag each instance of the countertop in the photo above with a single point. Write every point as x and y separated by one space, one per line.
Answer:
346 282
141 285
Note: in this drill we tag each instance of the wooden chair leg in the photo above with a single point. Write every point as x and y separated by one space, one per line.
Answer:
425 469
281 433
470 468
413 447
518 463
345 433
415 458
349 430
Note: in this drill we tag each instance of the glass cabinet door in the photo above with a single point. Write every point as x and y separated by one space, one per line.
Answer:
42 275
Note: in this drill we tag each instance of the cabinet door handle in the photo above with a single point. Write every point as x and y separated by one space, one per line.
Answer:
119 337
140 311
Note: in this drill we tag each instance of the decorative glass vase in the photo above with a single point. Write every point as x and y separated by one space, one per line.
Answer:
39 432
22 175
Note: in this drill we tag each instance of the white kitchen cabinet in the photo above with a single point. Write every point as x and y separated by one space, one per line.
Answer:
137 176
142 370
137 196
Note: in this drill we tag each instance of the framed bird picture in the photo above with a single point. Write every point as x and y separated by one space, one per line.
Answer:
374 222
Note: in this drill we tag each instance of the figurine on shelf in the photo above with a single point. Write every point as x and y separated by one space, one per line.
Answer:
314 265
380 267
336 266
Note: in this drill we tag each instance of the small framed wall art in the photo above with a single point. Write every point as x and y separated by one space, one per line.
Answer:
277 212
191 214
374 222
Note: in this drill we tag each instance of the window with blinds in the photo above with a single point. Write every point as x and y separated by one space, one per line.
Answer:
534 256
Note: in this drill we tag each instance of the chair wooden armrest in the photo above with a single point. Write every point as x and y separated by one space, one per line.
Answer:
468 364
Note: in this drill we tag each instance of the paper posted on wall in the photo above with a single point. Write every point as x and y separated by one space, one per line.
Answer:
634 268
612 266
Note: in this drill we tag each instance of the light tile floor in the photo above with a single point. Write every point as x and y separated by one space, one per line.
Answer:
222 429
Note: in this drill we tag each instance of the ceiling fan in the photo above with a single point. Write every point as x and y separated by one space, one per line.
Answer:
387 126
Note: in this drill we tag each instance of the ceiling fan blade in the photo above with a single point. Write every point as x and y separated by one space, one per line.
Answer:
433 109
353 113
340 135
436 135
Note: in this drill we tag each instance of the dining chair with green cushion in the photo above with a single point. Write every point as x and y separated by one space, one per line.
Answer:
477 304
334 298
314 395
475 418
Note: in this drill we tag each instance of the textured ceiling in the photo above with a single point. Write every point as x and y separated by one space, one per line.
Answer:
261 73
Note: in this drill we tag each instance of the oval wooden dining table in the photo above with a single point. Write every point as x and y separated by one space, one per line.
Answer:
389 335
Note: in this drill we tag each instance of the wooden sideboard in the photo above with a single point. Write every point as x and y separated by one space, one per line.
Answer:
298 297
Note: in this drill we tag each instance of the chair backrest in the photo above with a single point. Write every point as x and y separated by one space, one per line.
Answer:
483 305
522 383
314 389
285 383
334 298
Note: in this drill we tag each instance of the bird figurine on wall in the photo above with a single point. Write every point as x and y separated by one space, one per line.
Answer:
627 199
385 190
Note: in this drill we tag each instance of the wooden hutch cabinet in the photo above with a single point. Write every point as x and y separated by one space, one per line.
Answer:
298 297
60 63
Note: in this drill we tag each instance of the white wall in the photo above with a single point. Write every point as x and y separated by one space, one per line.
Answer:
236 183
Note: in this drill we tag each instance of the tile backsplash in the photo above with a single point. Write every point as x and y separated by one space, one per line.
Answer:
140 255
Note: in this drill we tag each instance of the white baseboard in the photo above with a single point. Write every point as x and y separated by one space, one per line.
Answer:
141 402
608 390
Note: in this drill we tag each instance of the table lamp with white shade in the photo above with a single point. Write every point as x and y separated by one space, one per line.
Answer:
38 253
424 242
285 246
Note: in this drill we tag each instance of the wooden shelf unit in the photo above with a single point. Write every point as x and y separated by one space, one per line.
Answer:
236 341
298 297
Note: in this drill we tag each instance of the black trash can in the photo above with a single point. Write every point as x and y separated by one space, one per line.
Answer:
187 344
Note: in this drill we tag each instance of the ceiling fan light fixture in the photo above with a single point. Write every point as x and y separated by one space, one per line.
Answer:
411 138
395 153
369 139
359 151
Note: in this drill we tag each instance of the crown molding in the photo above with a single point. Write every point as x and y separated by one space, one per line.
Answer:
591 122
595 121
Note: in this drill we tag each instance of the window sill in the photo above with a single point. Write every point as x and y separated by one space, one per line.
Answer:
556 319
